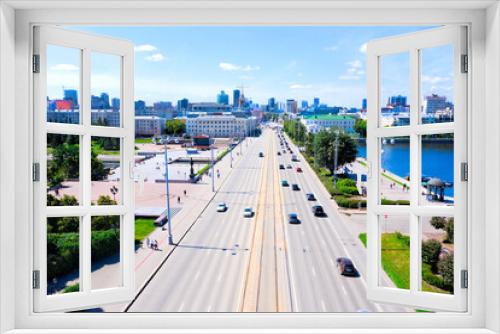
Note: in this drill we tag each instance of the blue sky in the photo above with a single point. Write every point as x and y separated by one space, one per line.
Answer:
282 62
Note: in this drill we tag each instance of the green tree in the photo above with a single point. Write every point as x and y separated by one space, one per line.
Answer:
360 127
324 148
446 270
430 253
445 224
175 127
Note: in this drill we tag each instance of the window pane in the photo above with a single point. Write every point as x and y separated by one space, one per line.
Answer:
106 266
63 255
394 178
63 84
437 254
105 88
106 171
436 84
63 170
437 170
395 251
394 90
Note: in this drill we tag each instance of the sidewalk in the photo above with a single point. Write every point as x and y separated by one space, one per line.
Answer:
147 261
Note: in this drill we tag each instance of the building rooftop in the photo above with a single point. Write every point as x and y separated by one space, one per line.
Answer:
324 117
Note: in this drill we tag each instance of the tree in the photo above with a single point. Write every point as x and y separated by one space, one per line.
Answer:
430 253
324 148
446 224
175 127
360 127
446 270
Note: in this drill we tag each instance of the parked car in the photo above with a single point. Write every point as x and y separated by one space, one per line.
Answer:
346 267
247 212
222 207
318 211
295 187
289 166
279 153
282 166
310 197
261 155
284 183
299 170
293 218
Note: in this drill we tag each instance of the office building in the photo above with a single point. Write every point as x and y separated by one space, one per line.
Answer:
71 95
435 103
316 123
236 98
115 104
149 125
221 126
291 106
223 98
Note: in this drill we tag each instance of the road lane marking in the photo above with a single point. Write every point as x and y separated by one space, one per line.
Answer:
313 271
344 290
181 307
197 275
323 306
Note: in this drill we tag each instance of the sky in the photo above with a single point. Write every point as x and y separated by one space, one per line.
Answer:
282 62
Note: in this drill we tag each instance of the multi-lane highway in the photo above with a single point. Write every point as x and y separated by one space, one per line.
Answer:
228 263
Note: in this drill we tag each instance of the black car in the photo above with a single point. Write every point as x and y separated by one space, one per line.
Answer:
289 166
318 211
261 155
279 153
310 197
293 218
295 186
282 166
346 267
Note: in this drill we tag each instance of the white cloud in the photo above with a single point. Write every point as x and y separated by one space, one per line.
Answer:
433 80
145 48
331 48
234 67
64 67
349 77
155 57
362 48
355 63
299 86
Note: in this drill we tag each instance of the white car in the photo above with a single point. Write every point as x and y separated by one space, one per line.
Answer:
222 207
248 213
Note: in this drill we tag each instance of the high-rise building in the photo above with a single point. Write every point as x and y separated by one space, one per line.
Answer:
105 101
304 104
140 107
435 103
291 106
236 98
182 106
364 104
398 100
115 103
222 98
71 95
271 104
316 102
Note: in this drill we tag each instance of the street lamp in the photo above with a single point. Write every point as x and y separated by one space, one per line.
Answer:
169 220
212 162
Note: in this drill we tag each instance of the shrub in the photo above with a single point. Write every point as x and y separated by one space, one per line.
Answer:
345 182
445 269
432 279
105 243
385 201
430 253
449 228
351 203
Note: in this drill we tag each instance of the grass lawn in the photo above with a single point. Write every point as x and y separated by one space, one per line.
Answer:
143 228
143 140
396 261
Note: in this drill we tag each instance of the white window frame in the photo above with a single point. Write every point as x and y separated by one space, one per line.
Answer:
86 44
412 44
16 20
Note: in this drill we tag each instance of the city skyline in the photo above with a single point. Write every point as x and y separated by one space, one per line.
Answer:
281 62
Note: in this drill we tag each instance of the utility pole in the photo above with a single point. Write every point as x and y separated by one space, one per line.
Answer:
231 152
169 218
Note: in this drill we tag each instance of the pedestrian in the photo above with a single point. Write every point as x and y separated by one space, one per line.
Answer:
178 199
185 193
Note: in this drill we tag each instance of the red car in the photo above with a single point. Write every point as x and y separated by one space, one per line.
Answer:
299 170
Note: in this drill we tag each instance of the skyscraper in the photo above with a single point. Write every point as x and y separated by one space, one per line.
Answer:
71 95
316 102
236 98
271 104
115 103
222 98
435 103
182 106
105 100
304 104
398 100
364 104
291 106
